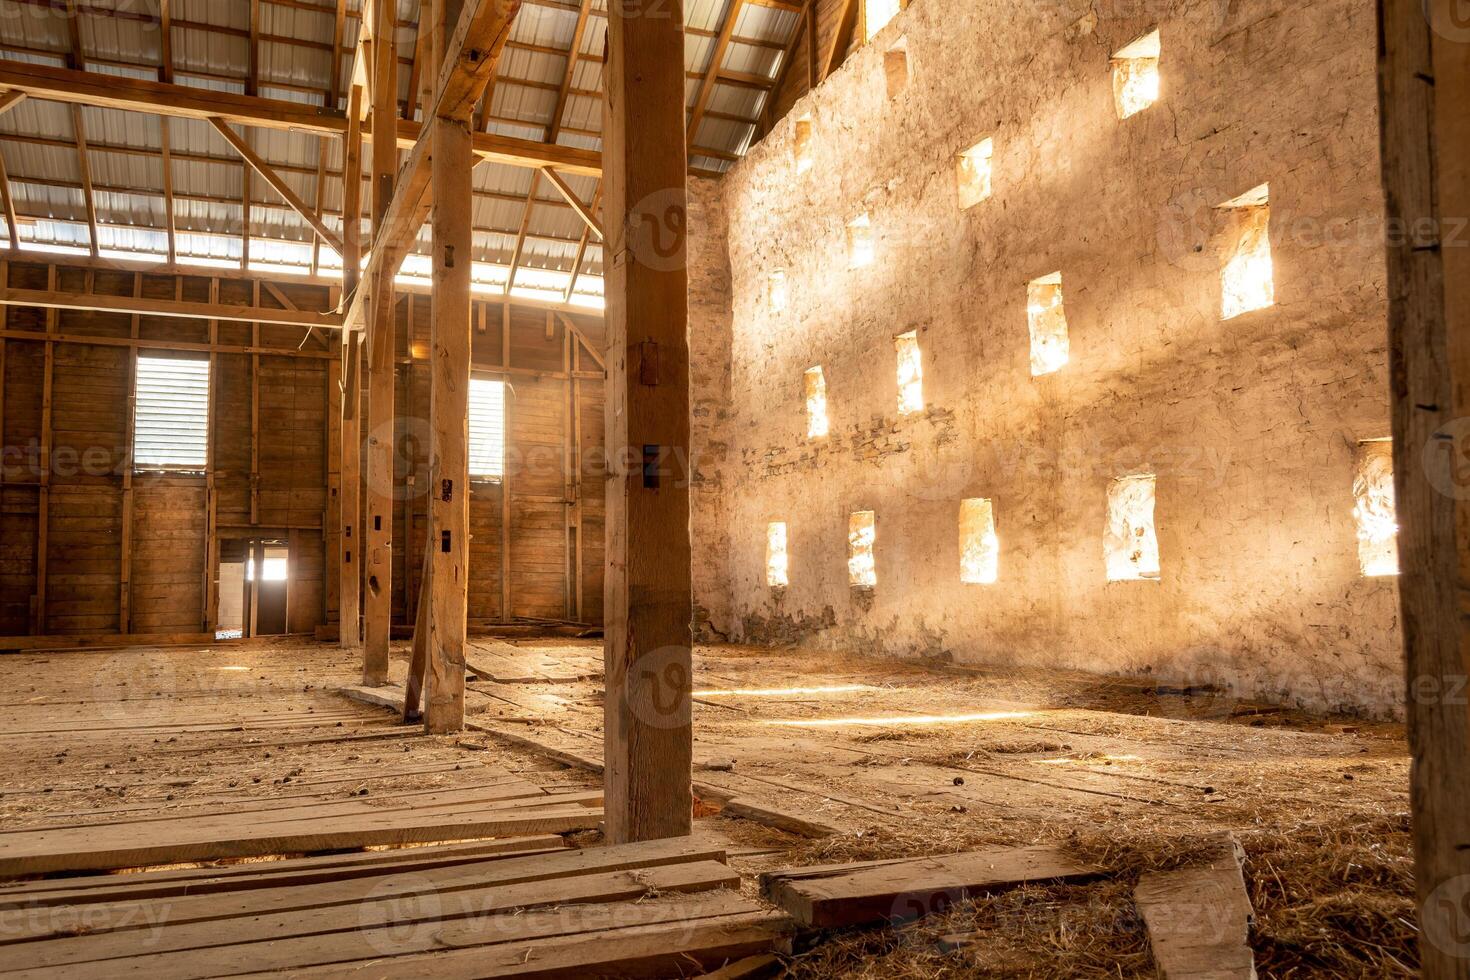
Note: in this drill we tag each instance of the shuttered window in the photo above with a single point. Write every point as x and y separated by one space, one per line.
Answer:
487 429
171 414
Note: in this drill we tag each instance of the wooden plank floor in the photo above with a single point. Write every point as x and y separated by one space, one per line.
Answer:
1015 756
248 749
527 910
195 774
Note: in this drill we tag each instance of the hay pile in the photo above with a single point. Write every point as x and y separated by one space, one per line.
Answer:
1333 898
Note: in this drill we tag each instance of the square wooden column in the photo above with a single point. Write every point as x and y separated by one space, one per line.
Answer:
349 594
377 587
649 598
1424 83
449 406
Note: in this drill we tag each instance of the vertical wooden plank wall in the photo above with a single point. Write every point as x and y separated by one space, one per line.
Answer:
126 552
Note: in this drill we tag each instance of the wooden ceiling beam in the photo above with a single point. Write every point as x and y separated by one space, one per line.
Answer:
57 300
581 250
278 184
273 205
841 38
252 76
141 95
334 83
714 71
552 132
470 56
583 211
84 162
8 201
187 102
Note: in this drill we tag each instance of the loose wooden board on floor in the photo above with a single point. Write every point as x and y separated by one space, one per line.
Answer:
902 890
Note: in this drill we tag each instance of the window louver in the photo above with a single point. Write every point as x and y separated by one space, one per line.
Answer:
171 414
487 429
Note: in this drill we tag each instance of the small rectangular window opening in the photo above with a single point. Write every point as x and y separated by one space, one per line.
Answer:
1137 83
802 144
487 429
910 373
896 67
860 242
815 383
777 286
275 568
1248 281
171 414
1374 511
1131 543
877 14
973 171
979 547
777 567
862 569
1050 348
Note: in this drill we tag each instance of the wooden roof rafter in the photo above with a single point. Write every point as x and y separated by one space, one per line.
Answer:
471 54
553 130
108 80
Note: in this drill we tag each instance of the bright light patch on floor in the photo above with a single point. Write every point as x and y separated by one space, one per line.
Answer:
1374 511
1248 282
862 534
910 373
1137 83
777 569
1047 318
979 547
778 291
860 251
815 384
1131 543
902 721
972 170
781 692
877 14
801 144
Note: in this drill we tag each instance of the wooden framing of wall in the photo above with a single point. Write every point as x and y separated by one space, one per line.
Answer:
90 548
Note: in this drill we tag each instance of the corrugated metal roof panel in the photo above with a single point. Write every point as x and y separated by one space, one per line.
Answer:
705 15
207 172
43 161
42 201
737 101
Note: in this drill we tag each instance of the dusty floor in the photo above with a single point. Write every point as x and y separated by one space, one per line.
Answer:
901 758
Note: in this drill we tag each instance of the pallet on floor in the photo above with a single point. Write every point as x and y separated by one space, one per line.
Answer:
667 907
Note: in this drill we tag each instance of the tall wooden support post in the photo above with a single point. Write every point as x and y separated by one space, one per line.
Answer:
449 406
350 500
449 478
649 605
1424 80
378 585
